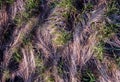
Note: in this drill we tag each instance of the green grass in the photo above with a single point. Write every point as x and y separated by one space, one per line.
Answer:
99 49
60 67
21 18
6 74
50 79
62 38
109 30
27 40
0 3
40 68
31 4
6 1
16 56
9 1
88 7
118 61
66 3
112 8
88 76
53 4
106 31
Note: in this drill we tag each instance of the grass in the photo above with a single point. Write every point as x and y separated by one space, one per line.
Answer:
118 61
99 49
40 69
53 4
70 8
88 76
66 3
62 37
9 1
24 16
27 40
87 7
106 30
60 67
104 33
0 4
50 79
112 8
17 56
6 1
39 65
21 18
31 4
6 74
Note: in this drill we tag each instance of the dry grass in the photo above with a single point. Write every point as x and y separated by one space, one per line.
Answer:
60 57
